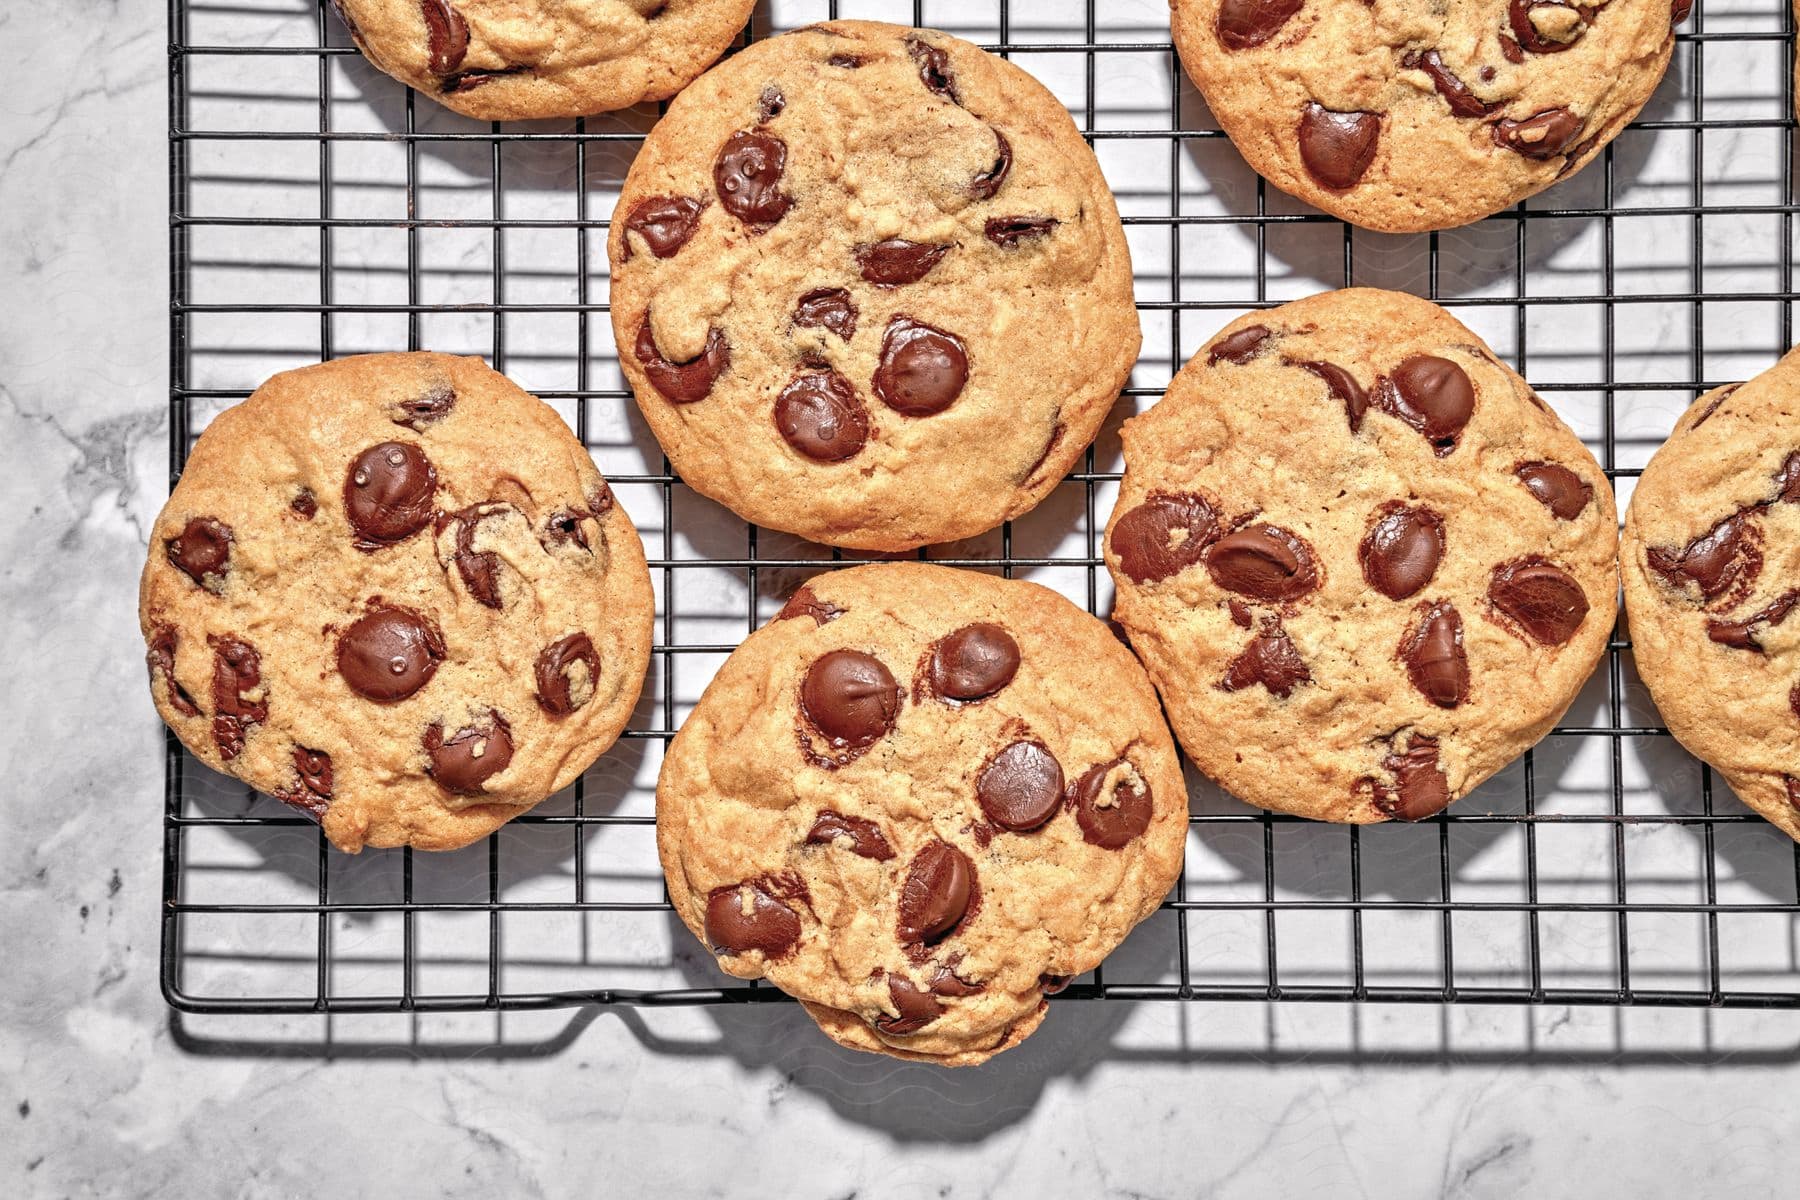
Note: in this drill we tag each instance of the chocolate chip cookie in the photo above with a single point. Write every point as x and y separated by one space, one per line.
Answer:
1401 115
919 799
870 287
1712 584
1365 564
393 592
511 60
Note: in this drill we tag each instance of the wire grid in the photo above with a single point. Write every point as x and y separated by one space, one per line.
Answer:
1538 899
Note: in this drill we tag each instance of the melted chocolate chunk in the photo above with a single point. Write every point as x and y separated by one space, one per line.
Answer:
1560 490
568 671
1724 557
1679 11
934 68
1456 93
665 222
468 758
1111 814
389 653
916 1008
1420 787
1240 613
425 410
847 62
1050 984
304 505
1337 147
446 34
936 893
388 494
1343 385
897 261
202 552
1543 135
827 308
160 658
1433 395
1542 598
238 698
1021 787
922 369
1742 635
465 81
1573 24
748 174
987 184
480 569
1263 561
1401 552
311 792
858 835
745 917
1245 24
946 982
1787 480
769 104
1167 533
820 415
564 526
1239 347
850 698
973 663
1009 233
1271 660
683 383
1434 656
803 603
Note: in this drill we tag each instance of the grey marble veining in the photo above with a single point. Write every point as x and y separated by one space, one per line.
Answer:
104 1092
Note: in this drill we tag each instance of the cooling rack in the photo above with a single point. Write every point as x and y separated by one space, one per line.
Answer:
318 208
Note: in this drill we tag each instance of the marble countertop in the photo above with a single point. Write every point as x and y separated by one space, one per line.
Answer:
103 1090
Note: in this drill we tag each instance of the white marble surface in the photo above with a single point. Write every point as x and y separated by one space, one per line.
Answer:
103 1091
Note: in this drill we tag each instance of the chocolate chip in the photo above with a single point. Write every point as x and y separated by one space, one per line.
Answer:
897 261
424 410
1433 395
922 369
1574 23
665 222
1420 787
1543 135
848 62
1244 24
1009 232
1167 533
916 1008
1510 51
850 698
934 68
985 185
803 603
160 658
748 174
388 493
568 671
1720 559
820 415
859 835
1050 984
238 698
564 527
1020 787
745 917
1543 598
1271 660
1434 656
974 662
1742 635
1402 549
466 81
827 308
1343 385
936 892
471 756
446 36
683 383
1239 347
1679 10
202 552
1337 147
1794 703
389 653
1112 805
311 792
304 505
769 104
1456 93
1264 561
1560 490
479 569
946 982
1240 613
1787 480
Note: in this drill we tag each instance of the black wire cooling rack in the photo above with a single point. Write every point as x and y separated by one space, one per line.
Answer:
310 217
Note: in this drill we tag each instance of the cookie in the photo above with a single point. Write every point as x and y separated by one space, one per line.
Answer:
1364 563
514 60
870 288
919 799
1400 115
393 592
1712 582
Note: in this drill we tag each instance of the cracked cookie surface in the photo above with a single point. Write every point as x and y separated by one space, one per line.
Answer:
1711 560
1402 115
512 60
870 287
917 800
1364 563
393 592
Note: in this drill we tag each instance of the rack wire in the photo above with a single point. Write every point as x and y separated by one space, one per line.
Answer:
1604 868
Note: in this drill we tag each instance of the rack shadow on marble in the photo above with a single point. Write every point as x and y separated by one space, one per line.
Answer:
238 866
